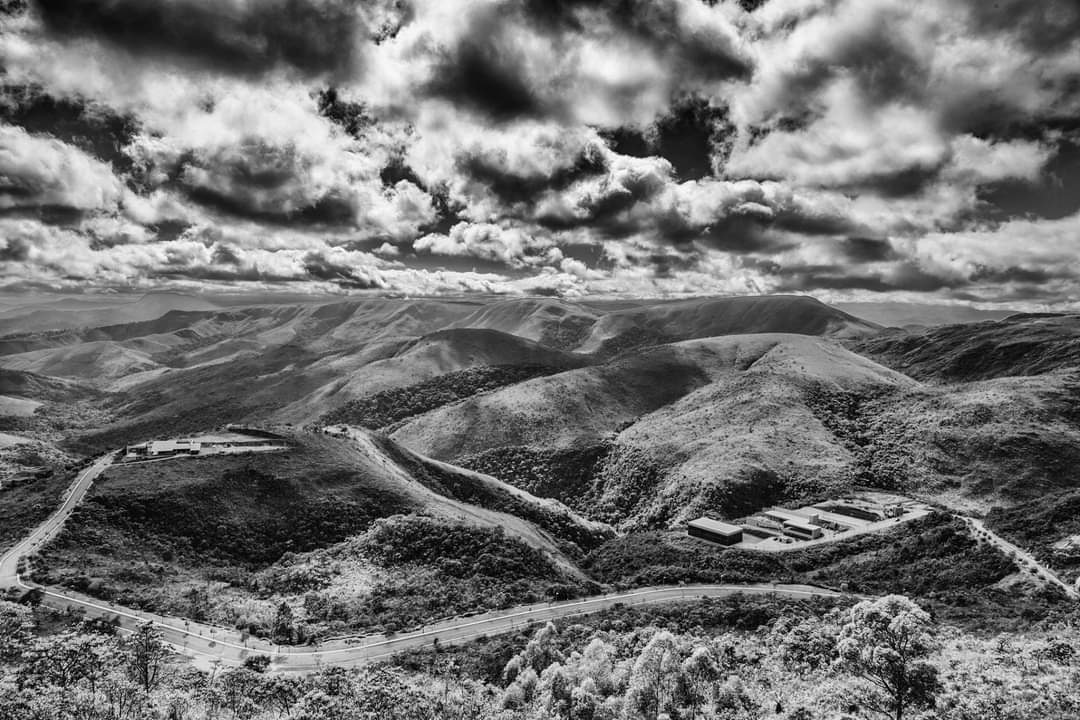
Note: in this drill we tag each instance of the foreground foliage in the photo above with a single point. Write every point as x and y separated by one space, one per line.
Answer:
882 658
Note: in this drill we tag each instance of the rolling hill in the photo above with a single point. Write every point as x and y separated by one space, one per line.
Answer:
638 412
682 426
1014 346
710 317
246 523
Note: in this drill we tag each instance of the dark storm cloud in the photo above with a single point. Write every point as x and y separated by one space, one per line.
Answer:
93 128
1031 276
327 210
488 72
1044 25
397 170
482 73
657 22
514 187
692 135
259 181
905 276
14 249
249 37
743 235
867 250
350 116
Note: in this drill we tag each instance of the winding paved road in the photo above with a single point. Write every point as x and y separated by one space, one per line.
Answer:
43 533
208 645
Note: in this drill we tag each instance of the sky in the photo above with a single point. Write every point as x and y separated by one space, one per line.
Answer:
860 150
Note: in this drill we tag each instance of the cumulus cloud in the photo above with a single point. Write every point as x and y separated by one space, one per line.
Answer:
41 171
509 246
567 147
245 36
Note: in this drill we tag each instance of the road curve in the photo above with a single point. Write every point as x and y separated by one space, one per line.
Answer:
43 533
209 645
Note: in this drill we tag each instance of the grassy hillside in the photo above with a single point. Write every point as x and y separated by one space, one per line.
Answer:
656 437
219 537
554 323
1040 524
711 317
23 507
973 445
1017 345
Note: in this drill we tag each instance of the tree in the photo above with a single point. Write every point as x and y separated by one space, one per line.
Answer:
283 629
653 677
885 642
16 630
66 659
697 678
146 656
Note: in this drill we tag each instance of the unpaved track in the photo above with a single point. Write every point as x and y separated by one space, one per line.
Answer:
1022 557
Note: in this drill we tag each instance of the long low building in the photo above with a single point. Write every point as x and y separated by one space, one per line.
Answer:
783 515
715 531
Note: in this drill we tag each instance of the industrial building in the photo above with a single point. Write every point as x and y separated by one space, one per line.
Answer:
715 531
782 516
202 445
802 530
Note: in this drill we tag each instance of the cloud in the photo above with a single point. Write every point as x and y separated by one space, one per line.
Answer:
670 147
38 172
238 36
506 245
598 63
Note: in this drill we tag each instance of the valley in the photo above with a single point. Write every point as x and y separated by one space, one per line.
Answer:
511 451
389 488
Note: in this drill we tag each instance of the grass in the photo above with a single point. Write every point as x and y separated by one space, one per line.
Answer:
385 408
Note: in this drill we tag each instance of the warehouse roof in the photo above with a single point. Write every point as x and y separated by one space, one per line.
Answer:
715 526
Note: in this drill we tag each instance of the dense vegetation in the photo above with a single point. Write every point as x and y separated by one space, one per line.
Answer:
932 559
1037 525
729 659
24 506
387 407
1018 345
486 658
564 474
430 569
485 494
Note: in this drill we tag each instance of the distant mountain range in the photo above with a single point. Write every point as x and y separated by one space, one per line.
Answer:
81 312
639 414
